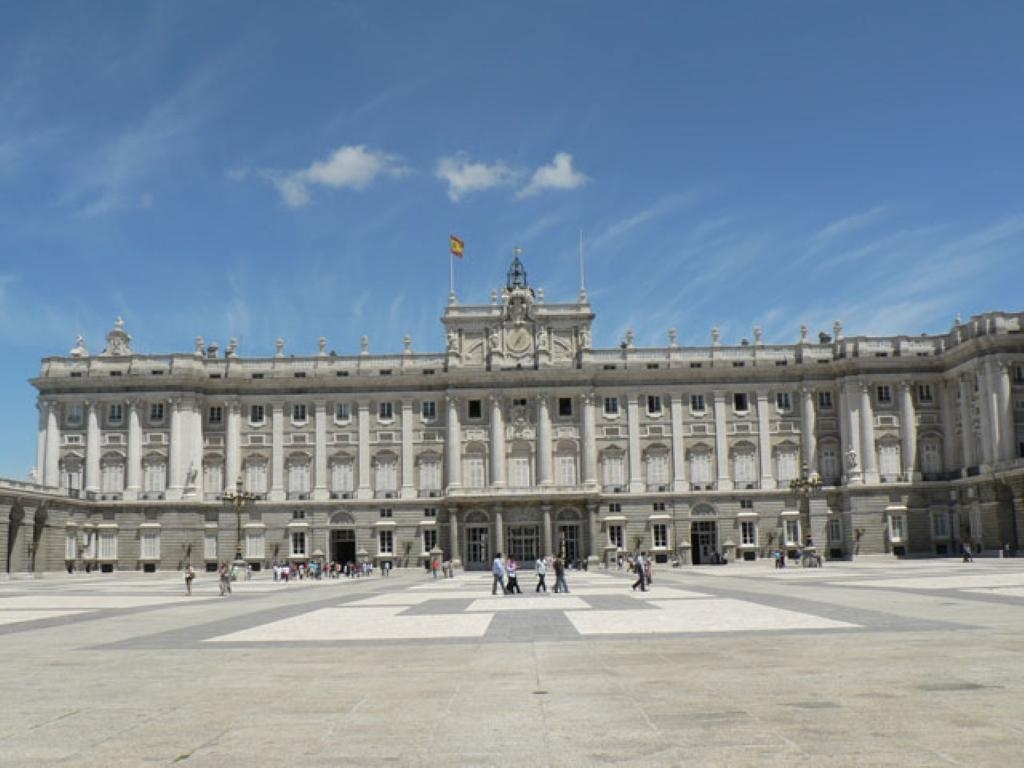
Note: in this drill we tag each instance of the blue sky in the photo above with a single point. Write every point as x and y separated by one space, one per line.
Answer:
267 169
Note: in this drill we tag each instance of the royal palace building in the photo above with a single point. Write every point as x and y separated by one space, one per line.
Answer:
520 437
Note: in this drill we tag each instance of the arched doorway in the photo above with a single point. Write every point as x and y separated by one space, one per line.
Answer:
704 535
342 546
477 541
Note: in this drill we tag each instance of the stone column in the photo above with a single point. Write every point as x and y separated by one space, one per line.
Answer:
320 492
867 436
636 484
850 425
50 471
453 444
808 428
453 529
908 432
588 454
232 444
679 483
764 439
174 468
363 488
1007 427
43 408
970 456
5 530
277 492
594 534
721 443
497 443
92 450
499 532
21 546
134 479
408 473
945 390
988 427
545 533
543 441
194 461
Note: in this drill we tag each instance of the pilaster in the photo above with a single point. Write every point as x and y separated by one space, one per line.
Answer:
320 492
721 443
764 440
497 443
277 492
679 483
232 444
867 435
908 432
543 441
363 489
134 469
92 450
408 489
633 425
453 444
588 472
51 459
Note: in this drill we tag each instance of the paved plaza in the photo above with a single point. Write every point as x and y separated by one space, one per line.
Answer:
868 663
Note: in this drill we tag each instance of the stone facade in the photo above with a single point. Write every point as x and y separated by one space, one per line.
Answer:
521 437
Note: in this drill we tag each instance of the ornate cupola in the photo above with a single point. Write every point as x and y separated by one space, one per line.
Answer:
119 342
519 332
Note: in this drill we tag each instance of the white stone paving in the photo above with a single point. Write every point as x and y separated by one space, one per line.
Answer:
16 617
957 581
95 601
363 624
711 615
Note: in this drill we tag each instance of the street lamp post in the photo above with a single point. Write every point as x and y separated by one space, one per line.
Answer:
803 488
238 498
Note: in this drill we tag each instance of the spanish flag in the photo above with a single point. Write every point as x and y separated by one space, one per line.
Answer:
456 246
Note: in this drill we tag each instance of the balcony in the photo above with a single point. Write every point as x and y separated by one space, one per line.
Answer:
429 493
341 494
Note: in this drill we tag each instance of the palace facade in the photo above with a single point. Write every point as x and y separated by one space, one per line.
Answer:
521 437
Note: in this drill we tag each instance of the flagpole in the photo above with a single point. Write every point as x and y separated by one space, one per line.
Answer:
451 269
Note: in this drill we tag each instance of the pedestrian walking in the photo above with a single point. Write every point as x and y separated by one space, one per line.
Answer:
641 576
560 585
498 570
190 574
541 569
224 579
512 571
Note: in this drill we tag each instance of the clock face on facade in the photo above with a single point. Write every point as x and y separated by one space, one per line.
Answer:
518 340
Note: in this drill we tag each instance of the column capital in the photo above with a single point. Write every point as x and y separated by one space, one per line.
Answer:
762 395
494 400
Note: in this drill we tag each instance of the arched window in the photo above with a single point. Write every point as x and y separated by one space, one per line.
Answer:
565 463
828 460
613 468
786 464
342 476
744 465
889 460
656 467
256 474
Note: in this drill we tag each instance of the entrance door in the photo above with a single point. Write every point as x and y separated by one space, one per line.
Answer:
523 541
569 542
477 550
343 545
704 541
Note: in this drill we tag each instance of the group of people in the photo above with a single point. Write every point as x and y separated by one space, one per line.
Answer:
506 574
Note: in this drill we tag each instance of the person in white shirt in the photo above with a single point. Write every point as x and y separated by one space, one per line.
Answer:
498 570
541 569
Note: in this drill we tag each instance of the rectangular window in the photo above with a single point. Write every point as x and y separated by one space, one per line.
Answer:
658 506
654 405
150 541
387 512
657 471
611 406
473 472
342 477
342 412
792 530
156 412
786 467
108 545
298 543
889 461
428 410
299 412
115 413
255 544
216 414
256 477
566 469
614 507
829 464
940 525
614 471
740 402
519 471
209 546
825 401
385 542
475 409
697 404
783 401
429 539
897 527
387 476
430 512
659 533
256 414
884 394
924 393
74 415
746 503
700 468
748 533
835 530
385 411
70 545
430 475
615 536
519 402
565 406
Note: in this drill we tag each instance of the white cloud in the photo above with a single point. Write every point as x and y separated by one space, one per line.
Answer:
350 167
850 224
465 177
558 175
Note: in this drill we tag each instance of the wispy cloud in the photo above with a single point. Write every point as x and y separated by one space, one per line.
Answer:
652 212
849 224
465 177
558 174
347 167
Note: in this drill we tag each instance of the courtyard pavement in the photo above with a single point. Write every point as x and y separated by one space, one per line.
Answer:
872 663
